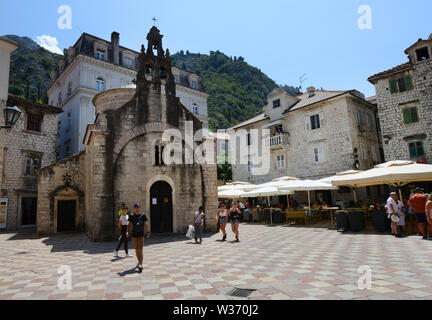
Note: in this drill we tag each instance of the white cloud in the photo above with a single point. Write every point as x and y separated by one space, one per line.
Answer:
49 43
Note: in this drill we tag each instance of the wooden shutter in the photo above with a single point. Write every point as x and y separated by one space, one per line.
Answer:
412 150
321 154
321 118
407 116
393 86
414 115
307 123
409 83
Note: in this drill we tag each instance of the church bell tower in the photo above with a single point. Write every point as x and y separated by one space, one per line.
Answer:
156 89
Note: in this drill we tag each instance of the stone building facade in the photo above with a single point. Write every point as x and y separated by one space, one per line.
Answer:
26 147
404 98
126 159
93 65
314 135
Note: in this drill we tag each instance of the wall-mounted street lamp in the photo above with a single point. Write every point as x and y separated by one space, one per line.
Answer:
11 115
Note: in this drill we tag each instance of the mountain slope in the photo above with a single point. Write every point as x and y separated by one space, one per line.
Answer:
237 90
31 66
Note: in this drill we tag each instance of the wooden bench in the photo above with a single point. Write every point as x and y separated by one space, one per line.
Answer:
294 216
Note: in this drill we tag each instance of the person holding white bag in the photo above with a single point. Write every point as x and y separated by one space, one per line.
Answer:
198 223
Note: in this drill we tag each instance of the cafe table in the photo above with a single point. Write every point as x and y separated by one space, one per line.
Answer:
332 210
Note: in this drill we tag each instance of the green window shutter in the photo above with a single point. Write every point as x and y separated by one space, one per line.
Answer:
407 116
412 150
414 115
420 150
409 83
393 86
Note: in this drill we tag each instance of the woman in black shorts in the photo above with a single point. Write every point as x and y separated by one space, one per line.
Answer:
234 215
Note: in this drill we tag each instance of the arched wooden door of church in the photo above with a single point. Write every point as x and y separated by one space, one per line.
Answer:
161 213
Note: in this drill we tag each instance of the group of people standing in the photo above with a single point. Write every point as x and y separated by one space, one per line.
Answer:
419 205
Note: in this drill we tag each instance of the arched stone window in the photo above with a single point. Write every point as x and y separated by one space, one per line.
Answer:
100 84
161 155
156 155
163 73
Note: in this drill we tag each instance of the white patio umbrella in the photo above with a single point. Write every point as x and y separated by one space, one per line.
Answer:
231 194
306 185
266 192
341 176
396 173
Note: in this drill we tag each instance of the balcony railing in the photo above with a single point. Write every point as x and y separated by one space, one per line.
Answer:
280 140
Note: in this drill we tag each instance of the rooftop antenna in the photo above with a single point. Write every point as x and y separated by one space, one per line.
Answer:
154 21
302 79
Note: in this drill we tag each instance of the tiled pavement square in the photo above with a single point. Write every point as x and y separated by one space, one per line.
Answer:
278 262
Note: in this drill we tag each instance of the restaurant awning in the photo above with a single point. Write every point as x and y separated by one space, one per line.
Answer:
397 173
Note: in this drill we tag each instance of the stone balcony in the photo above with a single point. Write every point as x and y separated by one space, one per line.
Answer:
277 141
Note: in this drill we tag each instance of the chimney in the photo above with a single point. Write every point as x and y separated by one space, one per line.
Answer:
311 91
115 42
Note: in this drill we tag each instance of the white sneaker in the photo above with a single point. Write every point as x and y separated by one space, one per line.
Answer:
129 255
116 254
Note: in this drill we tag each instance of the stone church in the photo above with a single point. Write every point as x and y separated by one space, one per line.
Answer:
123 161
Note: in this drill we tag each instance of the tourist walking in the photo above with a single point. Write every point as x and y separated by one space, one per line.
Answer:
123 225
234 215
222 216
198 223
137 224
394 210
418 204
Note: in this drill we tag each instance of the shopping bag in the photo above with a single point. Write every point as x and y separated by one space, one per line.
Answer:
191 232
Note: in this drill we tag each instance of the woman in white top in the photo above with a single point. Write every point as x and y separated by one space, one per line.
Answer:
123 225
222 215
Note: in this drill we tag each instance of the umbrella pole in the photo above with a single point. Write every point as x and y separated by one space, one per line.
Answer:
271 216
309 200
355 196
400 192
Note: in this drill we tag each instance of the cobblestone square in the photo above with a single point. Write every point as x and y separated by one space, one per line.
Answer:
277 262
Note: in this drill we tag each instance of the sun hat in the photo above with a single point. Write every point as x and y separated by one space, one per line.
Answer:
395 219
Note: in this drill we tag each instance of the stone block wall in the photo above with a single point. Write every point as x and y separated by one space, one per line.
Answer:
51 182
16 144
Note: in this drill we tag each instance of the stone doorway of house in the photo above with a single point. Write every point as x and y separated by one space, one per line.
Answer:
161 208
28 211
66 215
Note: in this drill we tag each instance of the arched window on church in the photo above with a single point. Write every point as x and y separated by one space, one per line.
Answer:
148 70
156 155
163 73
161 155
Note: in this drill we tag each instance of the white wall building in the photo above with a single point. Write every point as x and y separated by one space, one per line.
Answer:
6 48
95 65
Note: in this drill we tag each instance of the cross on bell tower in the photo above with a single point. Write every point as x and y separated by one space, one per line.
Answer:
154 21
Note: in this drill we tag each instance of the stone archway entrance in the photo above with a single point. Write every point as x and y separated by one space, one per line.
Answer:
66 211
161 208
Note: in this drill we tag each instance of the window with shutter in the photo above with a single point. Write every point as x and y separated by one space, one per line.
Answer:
393 86
315 122
414 114
409 83
410 115
416 149
407 116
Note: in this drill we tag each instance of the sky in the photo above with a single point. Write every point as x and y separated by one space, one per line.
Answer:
337 44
